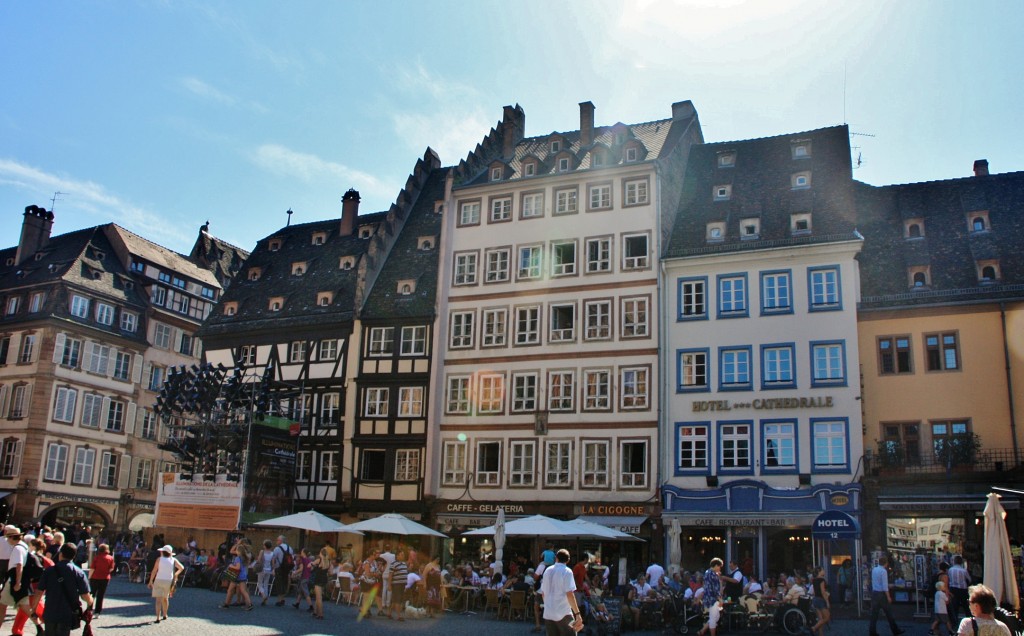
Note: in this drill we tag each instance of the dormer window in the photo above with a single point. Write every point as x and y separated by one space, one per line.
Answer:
631 154
919 277
365 232
800 223
324 299
406 287
255 273
716 232
496 174
347 262
230 309
276 303
801 150
913 228
39 256
801 180
438 207
597 159
98 254
988 271
563 164
529 168
425 243
298 269
978 221
750 229
726 160
722 192
319 238
556 146
274 245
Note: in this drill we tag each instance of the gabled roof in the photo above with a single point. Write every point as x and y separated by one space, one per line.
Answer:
162 257
948 248
220 257
761 187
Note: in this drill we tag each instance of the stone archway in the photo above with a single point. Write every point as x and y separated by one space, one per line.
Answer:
67 513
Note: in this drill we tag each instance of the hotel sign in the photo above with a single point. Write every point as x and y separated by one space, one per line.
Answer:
765 404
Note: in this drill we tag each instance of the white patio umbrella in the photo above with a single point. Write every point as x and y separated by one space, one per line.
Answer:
310 520
593 530
999 575
674 556
535 526
499 541
393 523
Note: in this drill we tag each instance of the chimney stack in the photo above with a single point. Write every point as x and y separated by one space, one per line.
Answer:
683 110
349 211
981 168
586 124
513 128
35 232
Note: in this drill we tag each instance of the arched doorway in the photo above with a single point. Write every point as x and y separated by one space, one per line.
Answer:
69 514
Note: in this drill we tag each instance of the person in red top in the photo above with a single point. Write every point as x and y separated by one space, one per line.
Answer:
99 575
579 572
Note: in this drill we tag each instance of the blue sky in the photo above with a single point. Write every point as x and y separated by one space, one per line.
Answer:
161 115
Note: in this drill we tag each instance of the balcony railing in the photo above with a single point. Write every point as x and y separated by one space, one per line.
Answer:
984 460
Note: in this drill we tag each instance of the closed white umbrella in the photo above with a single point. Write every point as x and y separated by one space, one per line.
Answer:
499 541
674 549
310 520
999 575
393 523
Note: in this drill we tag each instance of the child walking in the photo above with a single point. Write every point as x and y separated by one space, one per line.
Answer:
941 611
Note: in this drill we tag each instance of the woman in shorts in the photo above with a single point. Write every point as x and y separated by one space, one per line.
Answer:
162 579
821 601
321 569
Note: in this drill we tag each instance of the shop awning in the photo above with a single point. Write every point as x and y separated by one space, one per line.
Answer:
5 493
629 525
940 503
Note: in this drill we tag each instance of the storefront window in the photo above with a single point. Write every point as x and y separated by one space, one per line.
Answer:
700 545
788 549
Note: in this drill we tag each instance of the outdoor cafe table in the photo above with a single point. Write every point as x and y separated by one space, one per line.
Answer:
463 593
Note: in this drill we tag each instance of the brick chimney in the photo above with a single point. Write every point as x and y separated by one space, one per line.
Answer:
586 124
683 110
513 127
981 168
349 211
35 232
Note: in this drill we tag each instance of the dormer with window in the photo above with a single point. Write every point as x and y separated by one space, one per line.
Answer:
801 149
347 262
633 151
406 287
715 232
231 308
919 277
564 161
276 303
800 223
530 166
913 228
620 133
439 207
299 268
497 171
425 243
726 159
750 229
988 271
319 238
365 231
255 273
801 180
722 192
978 222
556 143
599 156
274 244
324 298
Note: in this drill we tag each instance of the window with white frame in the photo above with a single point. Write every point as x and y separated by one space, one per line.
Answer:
330 408
634 383
304 466
71 355
598 387
159 295
457 395
382 341
327 349
64 405
777 367
776 292
122 365
522 463
563 258
558 463
461 336
18 405
693 370
561 390
779 445
692 453
162 336
501 209
636 191
494 327
533 205
376 402
524 392
496 173
726 160
149 424
453 469
600 196
104 314
144 474
732 296
92 410
750 228
469 213
828 364
563 323
28 348
186 344
529 168
563 164
297 351
734 445
633 464
693 298
488 463
99 357
247 355
496 265
407 464
530 260
79 306
492 393
56 462
129 321
634 251
109 464
595 464
715 232
801 150
414 340
410 401
527 325
801 180
115 416
631 154
566 201
465 269
735 368
328 467
12 305
722 192
599 255
829 440
634 317
800 223
10 458
598 319
824 292
85 462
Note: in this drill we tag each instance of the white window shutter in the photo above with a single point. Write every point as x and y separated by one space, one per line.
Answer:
105 415
129 424
147 368
87 361
111 358
17 458
137 369
126 471
175 339
27 404
5 393
58 348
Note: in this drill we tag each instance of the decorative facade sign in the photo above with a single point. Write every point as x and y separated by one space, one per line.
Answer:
613 509
835 524
482 508
765 404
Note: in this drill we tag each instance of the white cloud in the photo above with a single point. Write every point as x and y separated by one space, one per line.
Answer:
310 168
91 199
205 91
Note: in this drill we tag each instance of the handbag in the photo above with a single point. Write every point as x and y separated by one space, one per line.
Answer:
232 572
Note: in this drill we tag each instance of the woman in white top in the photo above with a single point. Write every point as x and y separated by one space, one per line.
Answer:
162 579
982 621
264 565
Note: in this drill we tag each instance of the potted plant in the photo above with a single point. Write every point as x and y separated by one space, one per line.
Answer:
891 457
960 450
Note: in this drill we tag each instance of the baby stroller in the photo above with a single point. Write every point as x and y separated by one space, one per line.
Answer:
608 622
683 617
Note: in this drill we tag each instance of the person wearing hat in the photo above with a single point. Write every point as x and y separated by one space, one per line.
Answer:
16 591
61 606
162 580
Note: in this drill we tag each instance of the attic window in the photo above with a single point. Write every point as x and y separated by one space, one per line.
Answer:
324 299
631 154
556 146
722 192
255 273
347 262
10 262
988 271
913 228
406 287
438 207
274 245
597 159
96 274
750 229
230 309
563 164
276 303
716 232
802 150
495 174
365 232
298 269
39 256
978 221
52 267
800 223
425 243
530 168
801 180
920 277
727 160
129 284
98 255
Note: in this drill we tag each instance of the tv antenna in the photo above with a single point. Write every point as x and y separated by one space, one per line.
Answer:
289 213
55 198
860 156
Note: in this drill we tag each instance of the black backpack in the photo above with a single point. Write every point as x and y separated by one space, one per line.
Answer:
32 571
287 560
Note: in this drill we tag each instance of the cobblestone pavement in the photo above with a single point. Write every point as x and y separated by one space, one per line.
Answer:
194 612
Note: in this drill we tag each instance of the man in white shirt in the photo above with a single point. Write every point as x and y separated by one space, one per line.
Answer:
16 590
561 614
5 556
655 575
389 558
881 598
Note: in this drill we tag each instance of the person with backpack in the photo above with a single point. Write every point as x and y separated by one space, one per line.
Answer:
21 572
284 563
65 585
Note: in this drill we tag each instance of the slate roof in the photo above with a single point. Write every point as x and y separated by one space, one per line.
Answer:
762 188
163 257
406 261
948 248
220 257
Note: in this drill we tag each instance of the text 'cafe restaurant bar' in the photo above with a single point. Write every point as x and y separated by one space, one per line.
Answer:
765 530
453 517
